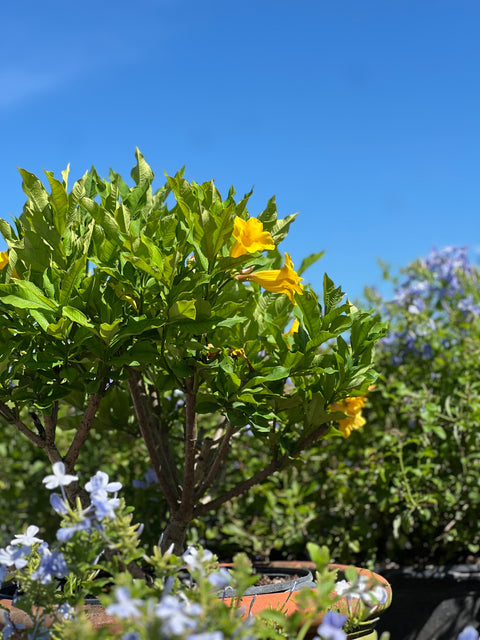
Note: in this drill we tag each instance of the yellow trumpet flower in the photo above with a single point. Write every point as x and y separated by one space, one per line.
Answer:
4 260
352 408
284 280
293 329
250 237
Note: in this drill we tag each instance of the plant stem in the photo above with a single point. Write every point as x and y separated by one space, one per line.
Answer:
84 427
8 414
191 434
146 423
221 453
262 475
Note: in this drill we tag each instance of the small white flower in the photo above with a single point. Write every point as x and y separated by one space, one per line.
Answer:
59 477
27 539
342 587
195 560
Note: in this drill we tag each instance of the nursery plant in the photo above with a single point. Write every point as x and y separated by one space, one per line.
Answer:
171 312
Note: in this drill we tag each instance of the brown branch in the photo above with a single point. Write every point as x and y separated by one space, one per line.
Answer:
83 430
219 458
38 424
164 446
8 414
190 446
85 425
50 423
260 476
144 418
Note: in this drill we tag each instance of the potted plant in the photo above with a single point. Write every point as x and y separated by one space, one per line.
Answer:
177 306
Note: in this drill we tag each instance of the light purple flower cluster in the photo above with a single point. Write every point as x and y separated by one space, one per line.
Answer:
436 283
51 565
102 506
440 278
176 613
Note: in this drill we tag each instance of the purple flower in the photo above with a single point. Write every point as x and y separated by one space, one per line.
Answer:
220 579
469 633
3 573
16 556
59 477
66 533
59 505
99 486
9 628
52 564
331 627
195 560
177 615
125 606
65 611
104 507
149 478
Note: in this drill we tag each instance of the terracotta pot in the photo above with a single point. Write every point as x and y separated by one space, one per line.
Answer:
95 613
296 575
285 598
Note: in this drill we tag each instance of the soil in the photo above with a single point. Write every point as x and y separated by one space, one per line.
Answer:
274 579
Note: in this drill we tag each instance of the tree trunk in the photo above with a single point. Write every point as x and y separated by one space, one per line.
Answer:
175 533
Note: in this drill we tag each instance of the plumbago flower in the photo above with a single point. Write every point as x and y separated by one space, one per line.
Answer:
168 607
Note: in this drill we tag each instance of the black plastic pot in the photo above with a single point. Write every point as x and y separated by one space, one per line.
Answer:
432 604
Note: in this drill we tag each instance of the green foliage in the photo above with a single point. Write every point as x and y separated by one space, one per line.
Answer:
405 487
125 296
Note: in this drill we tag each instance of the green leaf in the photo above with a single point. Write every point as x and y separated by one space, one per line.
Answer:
141 173
72 278
6 230
109 331
34 189
40 318
77 316
59 201
183 309
24 295
331 295
309 260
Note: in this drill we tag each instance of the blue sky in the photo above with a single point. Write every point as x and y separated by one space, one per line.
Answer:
362 115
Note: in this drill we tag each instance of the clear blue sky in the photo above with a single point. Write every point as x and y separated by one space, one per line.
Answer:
362 115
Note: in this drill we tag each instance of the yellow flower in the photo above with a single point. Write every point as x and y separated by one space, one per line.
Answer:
284 280
352 408
4 260
293 329
250 237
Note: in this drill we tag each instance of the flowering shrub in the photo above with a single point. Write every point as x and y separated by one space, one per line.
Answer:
175 597
167 313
